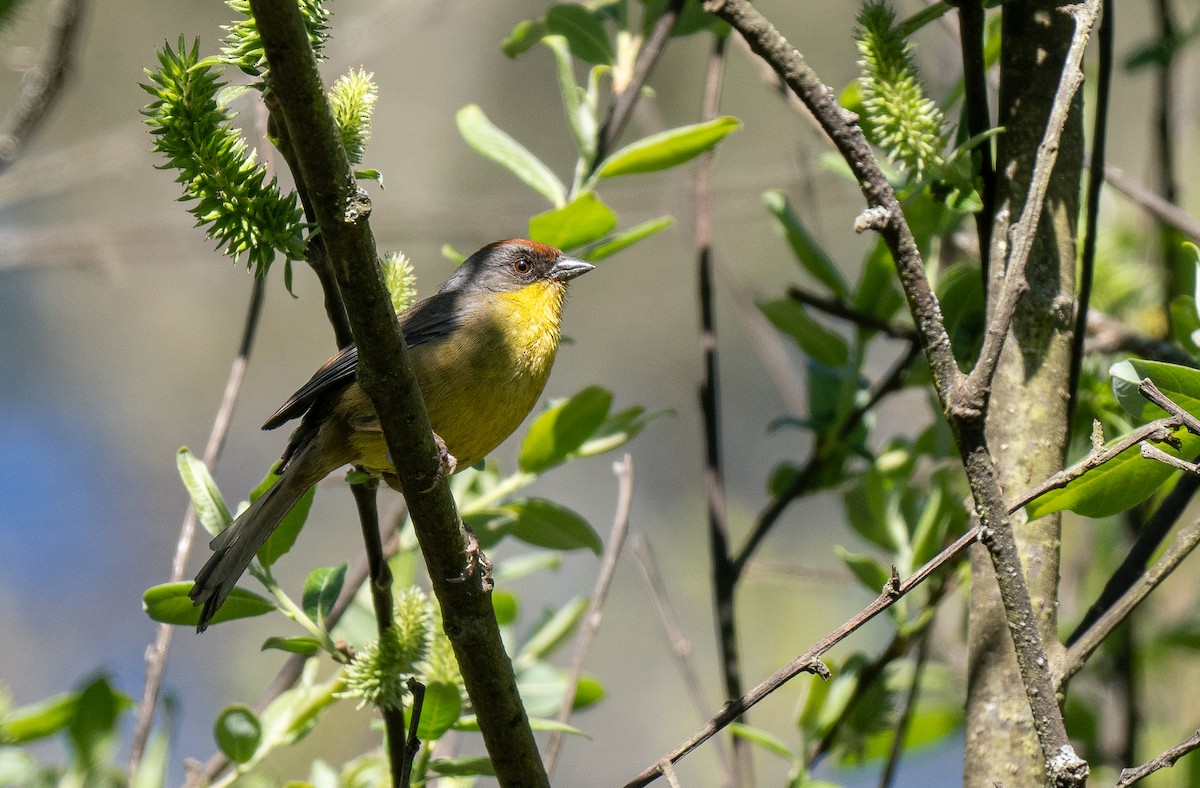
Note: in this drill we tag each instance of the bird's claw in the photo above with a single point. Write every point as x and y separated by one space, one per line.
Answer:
478 564
447 463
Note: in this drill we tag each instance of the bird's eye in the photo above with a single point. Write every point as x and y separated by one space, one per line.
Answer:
522 266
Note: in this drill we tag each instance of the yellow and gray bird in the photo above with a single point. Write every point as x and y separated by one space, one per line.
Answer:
481 349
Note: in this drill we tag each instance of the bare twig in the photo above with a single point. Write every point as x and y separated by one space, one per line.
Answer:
724 571
839 308
810 660
1077 654
626 96
1108 335
1161 761
42 85
1157 206
1022 234
411 743
623 469
975 99
1087 263
157 652
1157 430
291 670
906 710
681 647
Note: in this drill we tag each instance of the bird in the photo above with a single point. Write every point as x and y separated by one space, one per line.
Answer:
481 349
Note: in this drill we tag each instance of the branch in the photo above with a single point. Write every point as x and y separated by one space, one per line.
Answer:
623 468
839 308
1087 262
810 660
42 85
1022 234
386 375
157 652
624 101
291 670
975 100
1163 761
681 647
1159 207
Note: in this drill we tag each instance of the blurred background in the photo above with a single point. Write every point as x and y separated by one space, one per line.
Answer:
118 323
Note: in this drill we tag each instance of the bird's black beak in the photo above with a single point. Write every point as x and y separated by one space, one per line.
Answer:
566 268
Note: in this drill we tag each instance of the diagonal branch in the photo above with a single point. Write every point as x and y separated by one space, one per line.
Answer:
1021 235
1162 761
386 375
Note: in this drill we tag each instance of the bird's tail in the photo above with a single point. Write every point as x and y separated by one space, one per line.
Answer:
236 546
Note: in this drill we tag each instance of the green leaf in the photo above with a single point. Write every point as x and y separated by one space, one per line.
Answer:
927 727
606 247
668 148
543 523
1184 322
869 571
587 692
93 730
321 590
207 501
523 37
1115 486
463 766
818 342
552 632
584 32
168 603
493 143
808 251
617 430
876 292
238 732
1180 384
581 221
440 710
38 720
293 645
284 536
506 606
563 428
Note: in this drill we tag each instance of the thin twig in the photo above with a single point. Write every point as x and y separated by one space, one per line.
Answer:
1087 263
724 572
291 670
395 738
157 652
1149 537
1108 335
1079 651
1158 430
623 469
810 660
839 308
626 98
1162 761
975 100
1021 235
906 710
412 743
1157 206
42 85
681 647
806 476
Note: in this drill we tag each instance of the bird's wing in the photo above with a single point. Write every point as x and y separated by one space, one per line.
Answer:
431 319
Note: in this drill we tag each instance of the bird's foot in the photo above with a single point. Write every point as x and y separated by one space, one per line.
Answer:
447 463
478 565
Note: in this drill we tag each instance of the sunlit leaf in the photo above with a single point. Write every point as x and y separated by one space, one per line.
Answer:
238 732
820 343
169 603
616 242
543 523
580 222
563 428
668 148
439 711
495 144
321 590
207 500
